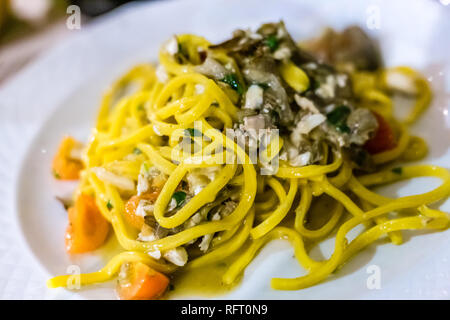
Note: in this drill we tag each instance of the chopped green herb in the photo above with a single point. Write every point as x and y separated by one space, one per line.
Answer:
343 128
137 151
109 205
232 81
56 175
146 168
193 132
272 42
338 118
397 170
314 84
179 197
338 115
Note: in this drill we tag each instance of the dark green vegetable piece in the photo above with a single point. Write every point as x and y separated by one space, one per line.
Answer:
232 81
272 42
137 151
343 128
397 170
314 84
180 197
109 205
338 118
193 132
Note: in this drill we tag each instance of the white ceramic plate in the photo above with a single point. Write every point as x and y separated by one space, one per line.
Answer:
60 93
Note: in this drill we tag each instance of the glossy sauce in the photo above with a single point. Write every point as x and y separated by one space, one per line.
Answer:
203 282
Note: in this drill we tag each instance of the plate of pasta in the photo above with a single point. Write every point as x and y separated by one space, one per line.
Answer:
287 153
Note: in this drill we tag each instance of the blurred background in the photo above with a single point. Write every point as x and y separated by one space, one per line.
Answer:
28 27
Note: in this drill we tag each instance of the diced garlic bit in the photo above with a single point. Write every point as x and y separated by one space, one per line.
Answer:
362 124
306 124
171 46
199 178
292 152
341 80
224 210
253 35
227 209
212 68
172 205
282 53
296 138
305 104
195 220
177 256
311 66
144 208
257 122
216 216
244 137
147 234
211 172
143 184
329 108
123 183
301 159
400 82
254 97
206 240
161 74
149 178
281 33
156 254
326 90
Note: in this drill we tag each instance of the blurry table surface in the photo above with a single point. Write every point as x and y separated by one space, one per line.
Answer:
16 54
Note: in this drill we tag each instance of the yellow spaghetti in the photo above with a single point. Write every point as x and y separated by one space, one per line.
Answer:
162 132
